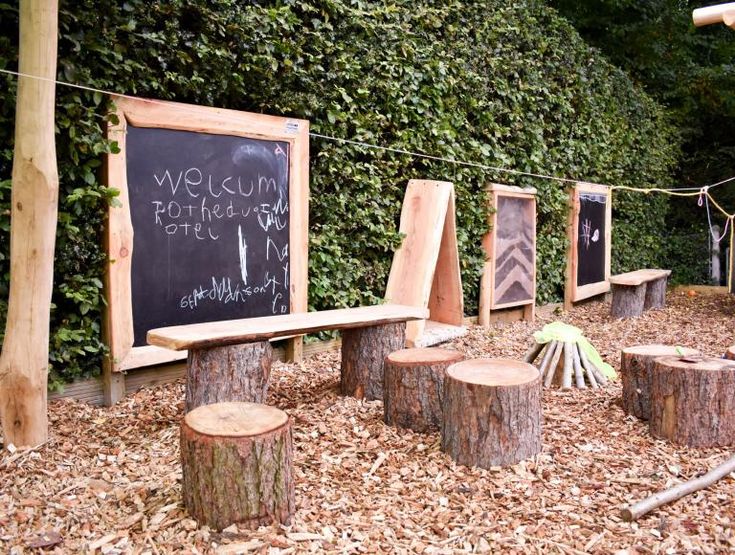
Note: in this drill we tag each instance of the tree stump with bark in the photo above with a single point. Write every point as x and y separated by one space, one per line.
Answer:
363 358
627 301
636 364
656 293
236 460
692 401
413 387
230 373
492 412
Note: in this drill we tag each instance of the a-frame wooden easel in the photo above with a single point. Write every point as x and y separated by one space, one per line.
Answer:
425 269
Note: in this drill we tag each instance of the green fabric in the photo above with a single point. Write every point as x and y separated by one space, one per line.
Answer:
559 331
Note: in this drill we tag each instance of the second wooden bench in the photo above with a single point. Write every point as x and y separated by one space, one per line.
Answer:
231 360
634 292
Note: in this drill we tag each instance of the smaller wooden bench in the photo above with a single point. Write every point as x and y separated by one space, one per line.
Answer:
230 360
634 292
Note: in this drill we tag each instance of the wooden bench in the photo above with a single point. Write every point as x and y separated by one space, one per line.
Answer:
230 360
634 292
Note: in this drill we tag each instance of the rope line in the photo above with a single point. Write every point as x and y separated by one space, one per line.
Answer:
672 191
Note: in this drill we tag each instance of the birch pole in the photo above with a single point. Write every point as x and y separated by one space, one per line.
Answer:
34 196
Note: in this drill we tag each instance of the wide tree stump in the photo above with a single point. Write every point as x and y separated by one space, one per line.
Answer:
363 358
692 402
492 412
231 373
413 387
627 300
236 460
636 364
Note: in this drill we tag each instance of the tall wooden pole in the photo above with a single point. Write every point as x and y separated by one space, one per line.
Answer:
35 190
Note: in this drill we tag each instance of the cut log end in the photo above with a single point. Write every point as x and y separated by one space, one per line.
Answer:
235 419
493 372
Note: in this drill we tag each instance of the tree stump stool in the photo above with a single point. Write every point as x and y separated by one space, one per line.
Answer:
413 387
636 364
363 358
656 293
230 373
492 412
730 353
236 462
692 402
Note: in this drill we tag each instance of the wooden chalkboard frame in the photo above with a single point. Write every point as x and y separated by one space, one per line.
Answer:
573 292
118 320
488 302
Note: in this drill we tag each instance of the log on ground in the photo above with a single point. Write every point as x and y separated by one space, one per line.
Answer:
636 364
492 412
692 403
413 388
236 462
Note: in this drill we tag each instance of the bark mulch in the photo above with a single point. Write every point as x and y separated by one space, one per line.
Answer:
108 480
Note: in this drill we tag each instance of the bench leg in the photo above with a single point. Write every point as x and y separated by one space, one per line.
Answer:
363 358
655 294
232 373
627 301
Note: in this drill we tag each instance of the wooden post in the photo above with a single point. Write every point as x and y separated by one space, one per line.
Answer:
24 360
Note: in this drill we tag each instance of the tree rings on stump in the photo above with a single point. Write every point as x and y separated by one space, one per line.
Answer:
636 364
236 460
413 388
231 373
492 412
692 402
363 358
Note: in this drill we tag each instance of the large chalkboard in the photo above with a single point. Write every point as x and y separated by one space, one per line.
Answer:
210 216
212 222
591 238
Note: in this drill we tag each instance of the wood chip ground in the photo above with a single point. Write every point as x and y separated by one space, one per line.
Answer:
108 480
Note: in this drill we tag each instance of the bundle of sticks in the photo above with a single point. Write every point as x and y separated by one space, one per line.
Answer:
563 359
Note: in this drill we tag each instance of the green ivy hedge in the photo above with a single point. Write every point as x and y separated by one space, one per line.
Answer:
503 84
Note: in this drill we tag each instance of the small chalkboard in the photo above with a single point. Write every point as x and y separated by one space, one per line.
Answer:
588 264
591 243
212 224
509 277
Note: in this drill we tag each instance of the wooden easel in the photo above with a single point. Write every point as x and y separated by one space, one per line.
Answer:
425 269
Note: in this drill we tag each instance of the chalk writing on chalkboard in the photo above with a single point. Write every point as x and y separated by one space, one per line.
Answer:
210 215
591 246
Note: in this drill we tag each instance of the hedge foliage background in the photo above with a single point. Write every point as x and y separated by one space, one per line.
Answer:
504 84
